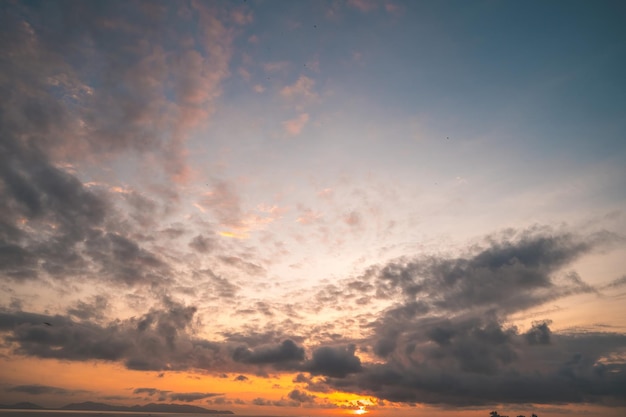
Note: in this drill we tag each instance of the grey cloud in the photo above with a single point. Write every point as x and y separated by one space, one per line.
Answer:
301 396
280 403
88 311
174 396
124 260
57 226
616 283
513 273
191 396
70 107
49 212
149 391
509 274
285 352
301 378
334 361
37 389
218 285
540 333
82 81
159 340
237 262
202 244
444 339
571 372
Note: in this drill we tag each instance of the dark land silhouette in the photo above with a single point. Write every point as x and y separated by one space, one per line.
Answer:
148 408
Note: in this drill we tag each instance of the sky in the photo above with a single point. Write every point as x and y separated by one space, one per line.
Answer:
314 207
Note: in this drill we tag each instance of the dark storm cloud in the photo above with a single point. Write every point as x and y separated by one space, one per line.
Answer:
285 352
334 361
570 370
152 341
161 339
510 274
540 334
439 296
445 341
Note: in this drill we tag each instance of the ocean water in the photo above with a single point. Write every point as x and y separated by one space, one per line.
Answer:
71 413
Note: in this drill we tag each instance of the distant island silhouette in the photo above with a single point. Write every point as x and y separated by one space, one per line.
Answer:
148 408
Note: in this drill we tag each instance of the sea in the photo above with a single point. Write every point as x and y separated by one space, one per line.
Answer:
73 413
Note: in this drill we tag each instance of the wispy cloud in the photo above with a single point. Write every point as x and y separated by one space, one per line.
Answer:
293 127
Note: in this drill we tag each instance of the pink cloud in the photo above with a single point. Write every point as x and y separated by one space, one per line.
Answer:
326 193
308 217
294 127
353 219
242 16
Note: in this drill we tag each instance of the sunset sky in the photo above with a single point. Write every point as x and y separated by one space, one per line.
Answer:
315 207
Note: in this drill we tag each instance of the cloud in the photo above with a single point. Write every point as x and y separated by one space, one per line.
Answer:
308 216
443 335
89 311
202 244
276 66
191 396
445 339
164 395
363 5
293 127
164 333
59 115
37 389
539 334
335 362
302 88
353 219
301 396
58 104
284 353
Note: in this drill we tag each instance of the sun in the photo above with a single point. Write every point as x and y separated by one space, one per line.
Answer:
360 410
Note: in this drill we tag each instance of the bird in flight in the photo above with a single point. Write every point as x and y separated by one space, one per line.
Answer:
47 324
